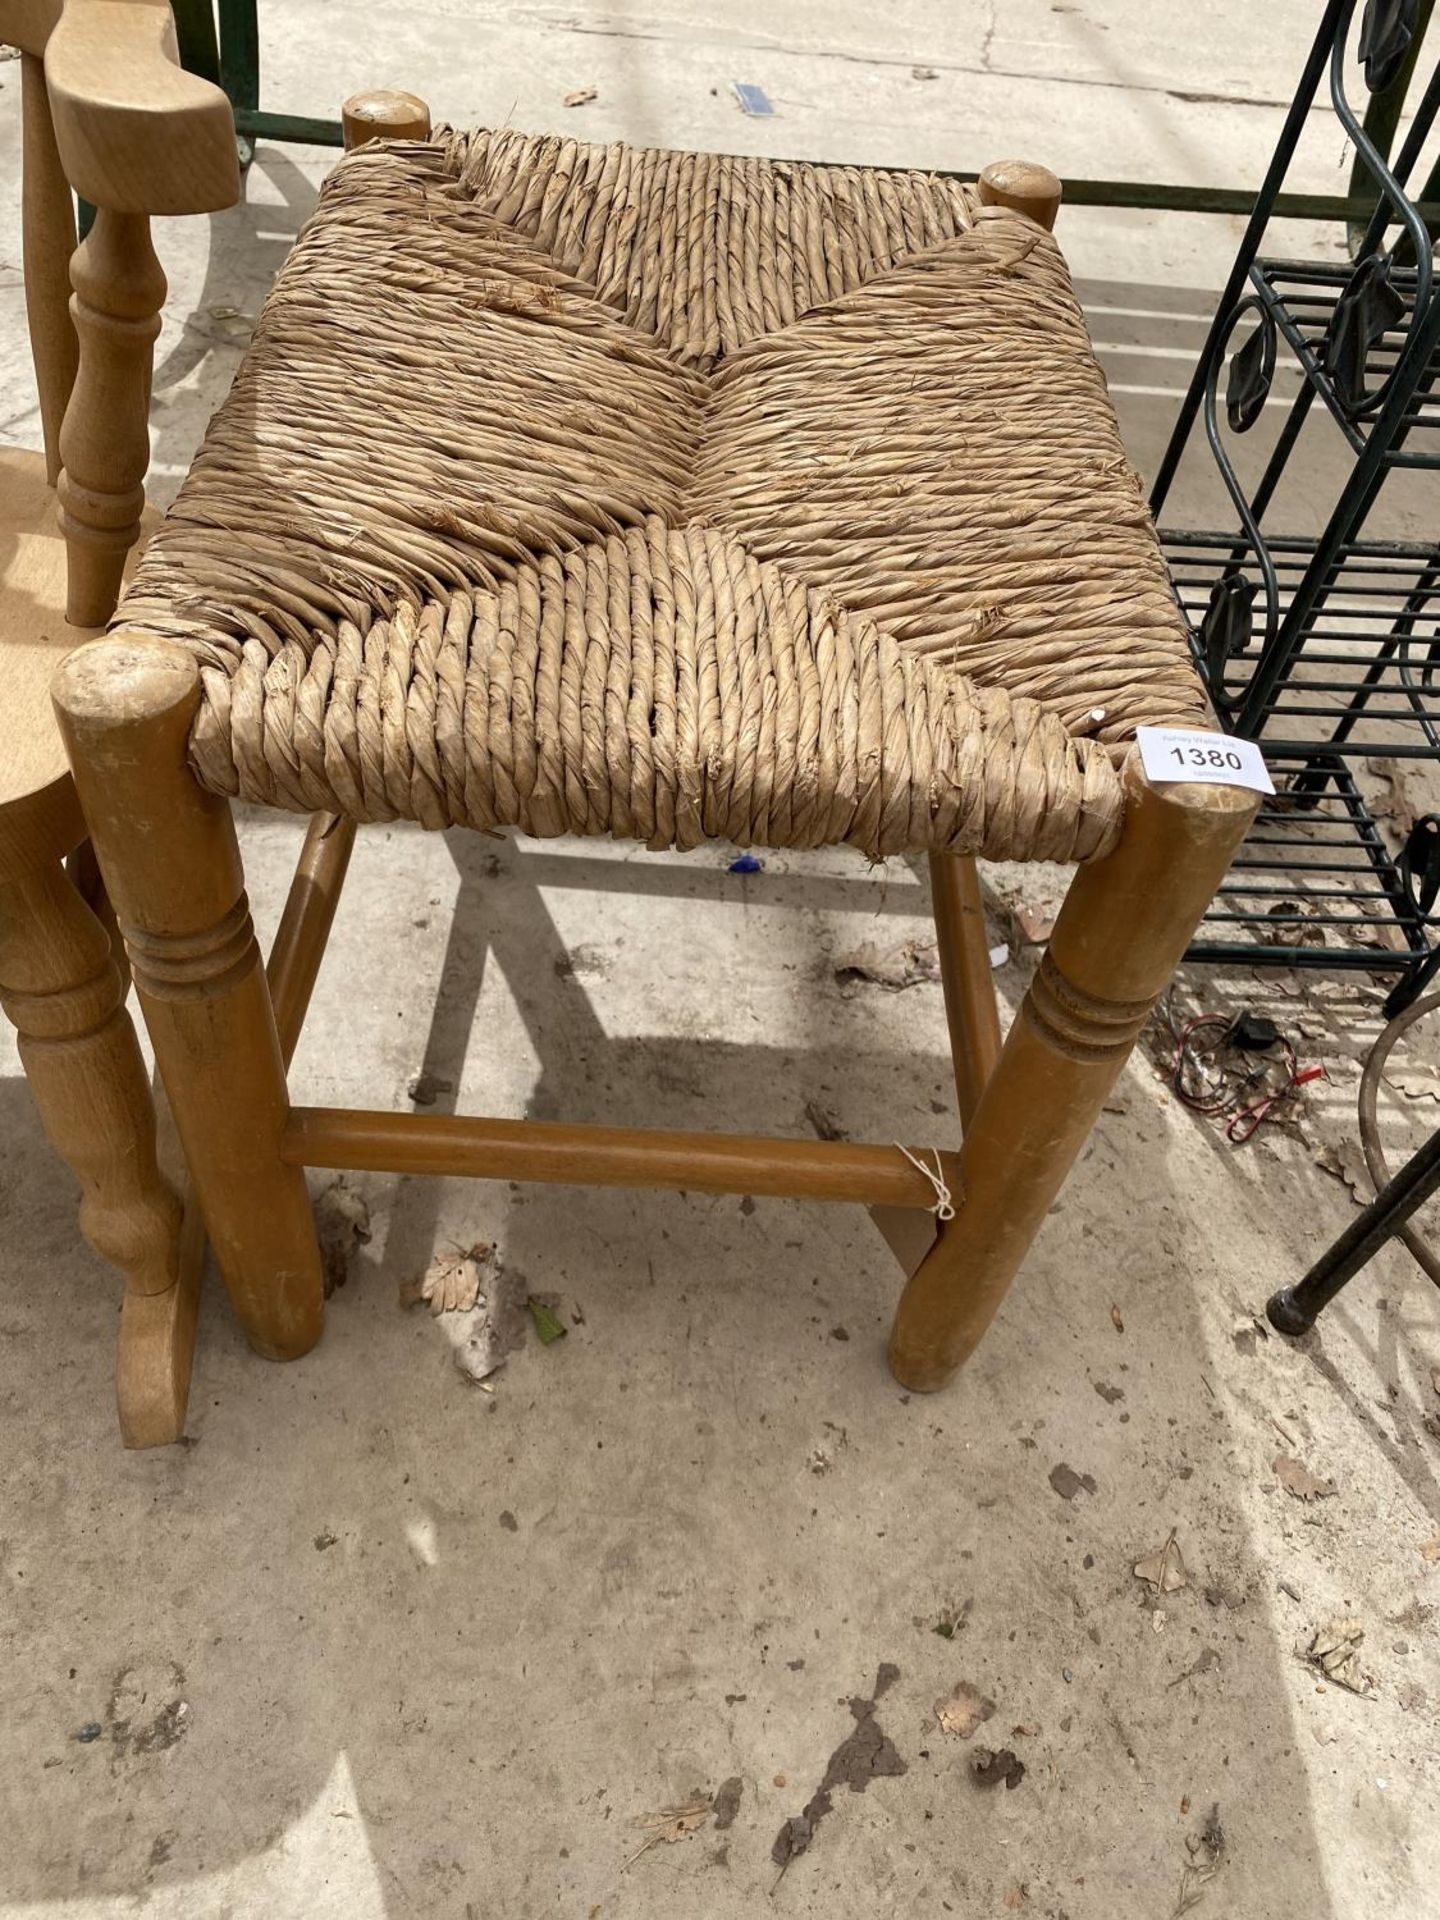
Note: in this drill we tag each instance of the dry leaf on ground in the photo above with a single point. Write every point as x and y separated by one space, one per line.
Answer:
1117 1319
1394 802
1016 1897
581 97
1284 923
669 1824
342 1223
1430 1549
1206 1662
990 1768
1033 926
1335 1649
826 1126
1347 1163
1297 1478
500 1330
1416 1083
1164 1569
963 1710
451 1282
894 967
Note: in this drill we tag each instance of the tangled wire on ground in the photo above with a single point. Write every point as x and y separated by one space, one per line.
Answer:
1235 1065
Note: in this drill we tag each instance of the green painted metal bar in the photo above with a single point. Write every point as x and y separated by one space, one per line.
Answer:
240 52
288 126
195 34
1166 197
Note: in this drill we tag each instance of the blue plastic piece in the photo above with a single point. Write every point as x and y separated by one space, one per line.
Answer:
753 100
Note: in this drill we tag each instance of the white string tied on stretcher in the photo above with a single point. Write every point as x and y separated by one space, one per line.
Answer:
944 1207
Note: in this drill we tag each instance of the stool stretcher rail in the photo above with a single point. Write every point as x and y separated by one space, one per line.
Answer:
546 1151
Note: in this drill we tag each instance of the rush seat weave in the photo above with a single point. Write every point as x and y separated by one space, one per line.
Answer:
589 489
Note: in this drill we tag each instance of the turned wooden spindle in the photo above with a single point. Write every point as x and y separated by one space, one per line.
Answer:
105 441
48 240
60 986
1125 924
172 866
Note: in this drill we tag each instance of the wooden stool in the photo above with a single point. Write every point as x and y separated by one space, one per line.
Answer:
801 519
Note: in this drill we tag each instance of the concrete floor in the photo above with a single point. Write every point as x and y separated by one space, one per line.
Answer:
375 1642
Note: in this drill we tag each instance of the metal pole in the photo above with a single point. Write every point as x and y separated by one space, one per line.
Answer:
1293 1309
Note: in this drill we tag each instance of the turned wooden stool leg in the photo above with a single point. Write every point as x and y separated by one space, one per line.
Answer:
968 978
1124 926
172 868
63 992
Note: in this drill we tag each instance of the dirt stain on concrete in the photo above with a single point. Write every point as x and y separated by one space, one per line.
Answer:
866 1753
727 1803
139 1719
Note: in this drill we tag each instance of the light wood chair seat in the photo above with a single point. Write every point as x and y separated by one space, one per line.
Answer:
39 814
596 490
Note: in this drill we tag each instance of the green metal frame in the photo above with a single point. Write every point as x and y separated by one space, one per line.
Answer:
227 51
220 40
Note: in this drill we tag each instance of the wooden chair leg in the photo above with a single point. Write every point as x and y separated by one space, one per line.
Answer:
61 989
49 240
172 868
970 1008
157 1330
1125 924
84 871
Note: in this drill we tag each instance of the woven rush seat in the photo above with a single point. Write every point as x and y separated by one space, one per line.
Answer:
584 489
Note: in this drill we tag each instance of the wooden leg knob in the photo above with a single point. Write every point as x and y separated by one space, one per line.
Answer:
381 114
1030 189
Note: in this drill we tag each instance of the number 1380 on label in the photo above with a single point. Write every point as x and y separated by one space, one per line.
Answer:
1186 753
